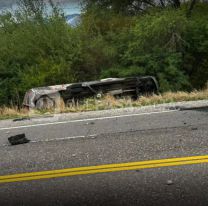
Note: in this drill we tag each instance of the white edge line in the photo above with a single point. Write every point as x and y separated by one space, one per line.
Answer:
84 120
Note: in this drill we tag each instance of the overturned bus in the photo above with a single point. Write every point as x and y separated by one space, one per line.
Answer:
50 96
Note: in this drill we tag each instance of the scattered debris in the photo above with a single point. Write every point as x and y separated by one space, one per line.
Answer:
169 182
88 123
21 119
194 128
18 139
174 108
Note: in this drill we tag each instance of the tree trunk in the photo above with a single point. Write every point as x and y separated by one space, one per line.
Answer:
193 2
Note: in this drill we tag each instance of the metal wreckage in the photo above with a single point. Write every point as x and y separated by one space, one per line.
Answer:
50 96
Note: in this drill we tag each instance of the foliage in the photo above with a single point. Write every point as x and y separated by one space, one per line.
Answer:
34 52
39 49
156 48
169 45
132 7
196 55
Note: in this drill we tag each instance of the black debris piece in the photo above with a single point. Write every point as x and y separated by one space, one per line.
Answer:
21 119
18 139
174 108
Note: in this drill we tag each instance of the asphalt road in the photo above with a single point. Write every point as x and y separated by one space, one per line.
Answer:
106 140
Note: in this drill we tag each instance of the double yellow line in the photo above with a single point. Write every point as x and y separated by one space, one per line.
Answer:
104 169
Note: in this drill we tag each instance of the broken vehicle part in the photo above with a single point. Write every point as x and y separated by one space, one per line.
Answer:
134 87
18 139
49 97
21 119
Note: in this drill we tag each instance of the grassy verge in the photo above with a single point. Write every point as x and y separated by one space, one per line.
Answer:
108 102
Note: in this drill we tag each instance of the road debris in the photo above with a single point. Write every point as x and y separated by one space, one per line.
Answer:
169 182
21 119
18 139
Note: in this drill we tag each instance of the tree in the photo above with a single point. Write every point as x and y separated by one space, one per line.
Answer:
35 51
31 7
135 6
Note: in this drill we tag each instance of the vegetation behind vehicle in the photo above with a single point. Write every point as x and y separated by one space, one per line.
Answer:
40 49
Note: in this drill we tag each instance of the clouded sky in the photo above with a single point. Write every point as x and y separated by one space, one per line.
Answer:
69 6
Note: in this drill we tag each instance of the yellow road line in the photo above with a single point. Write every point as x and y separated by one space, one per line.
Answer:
104 169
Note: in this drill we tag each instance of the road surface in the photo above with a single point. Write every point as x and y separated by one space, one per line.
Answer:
149 158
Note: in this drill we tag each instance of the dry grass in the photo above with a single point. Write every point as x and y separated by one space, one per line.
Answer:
12 112
108 102
174 97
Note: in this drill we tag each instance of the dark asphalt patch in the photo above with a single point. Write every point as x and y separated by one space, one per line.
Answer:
200 109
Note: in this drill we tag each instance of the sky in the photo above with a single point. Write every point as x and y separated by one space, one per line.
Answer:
68 6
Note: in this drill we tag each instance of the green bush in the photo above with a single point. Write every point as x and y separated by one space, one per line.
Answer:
40 49
35 52
167 44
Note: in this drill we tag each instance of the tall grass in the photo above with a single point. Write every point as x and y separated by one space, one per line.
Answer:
107 102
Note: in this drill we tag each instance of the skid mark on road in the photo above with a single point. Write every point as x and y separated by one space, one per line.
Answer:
65 138
92 136
104 169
